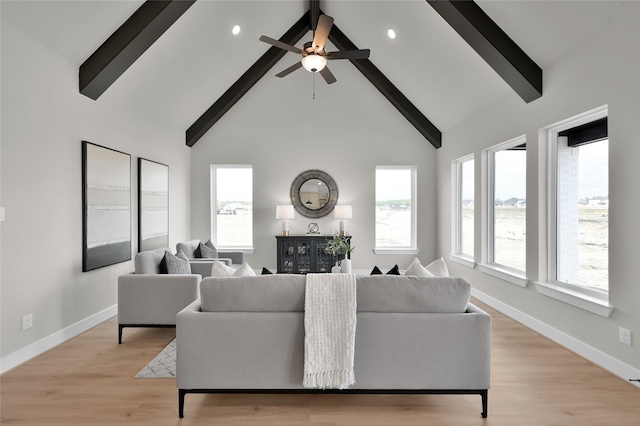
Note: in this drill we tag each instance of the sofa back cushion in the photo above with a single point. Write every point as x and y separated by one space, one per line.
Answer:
261 293
188 247
378 293
393 293
148 262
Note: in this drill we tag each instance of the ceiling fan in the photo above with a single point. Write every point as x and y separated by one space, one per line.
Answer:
314 57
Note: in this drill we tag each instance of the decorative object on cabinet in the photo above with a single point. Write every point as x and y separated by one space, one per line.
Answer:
340 245
342 213
313 229
106 206
314 194
153 205
285 213
302 254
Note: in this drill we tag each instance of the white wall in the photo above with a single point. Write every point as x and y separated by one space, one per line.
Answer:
346 131
44 120
603 70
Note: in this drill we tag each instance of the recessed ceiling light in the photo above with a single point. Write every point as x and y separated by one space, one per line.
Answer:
236 30
391 33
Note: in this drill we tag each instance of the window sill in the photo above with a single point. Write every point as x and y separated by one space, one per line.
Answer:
395 251
463 260
575 298
505 274
246 250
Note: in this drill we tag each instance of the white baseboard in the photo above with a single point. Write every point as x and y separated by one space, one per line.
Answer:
20 356
609 363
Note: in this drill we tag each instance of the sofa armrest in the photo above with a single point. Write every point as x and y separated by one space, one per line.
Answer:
235 256
155 298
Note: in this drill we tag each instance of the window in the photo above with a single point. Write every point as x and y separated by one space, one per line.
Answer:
463 207
395 208
232 206
581 206
507 206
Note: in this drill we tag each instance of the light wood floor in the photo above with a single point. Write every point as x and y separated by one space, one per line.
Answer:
89 381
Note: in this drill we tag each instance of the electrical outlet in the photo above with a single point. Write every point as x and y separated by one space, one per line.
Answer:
625 336
27 322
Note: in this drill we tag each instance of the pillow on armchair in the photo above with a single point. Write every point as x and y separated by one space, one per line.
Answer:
176 264
206 251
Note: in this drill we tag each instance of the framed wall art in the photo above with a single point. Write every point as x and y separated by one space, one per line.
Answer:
153 205
106 200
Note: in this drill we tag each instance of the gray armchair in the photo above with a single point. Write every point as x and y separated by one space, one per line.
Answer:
202 266
149 298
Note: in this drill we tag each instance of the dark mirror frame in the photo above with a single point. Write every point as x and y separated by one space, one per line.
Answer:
295 193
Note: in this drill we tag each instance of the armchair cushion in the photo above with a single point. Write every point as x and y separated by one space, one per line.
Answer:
148 262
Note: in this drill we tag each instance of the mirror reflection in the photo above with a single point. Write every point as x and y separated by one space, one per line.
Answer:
314 194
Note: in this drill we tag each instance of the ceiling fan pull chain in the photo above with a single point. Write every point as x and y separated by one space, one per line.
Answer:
314 84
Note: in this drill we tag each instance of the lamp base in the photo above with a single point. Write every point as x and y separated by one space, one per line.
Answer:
285 233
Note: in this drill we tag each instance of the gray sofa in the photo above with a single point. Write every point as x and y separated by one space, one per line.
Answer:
148 298
413 335
203 266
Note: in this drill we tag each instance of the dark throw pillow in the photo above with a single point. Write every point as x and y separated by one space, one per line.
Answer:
376 271
177 264
394 271
205 251
265 271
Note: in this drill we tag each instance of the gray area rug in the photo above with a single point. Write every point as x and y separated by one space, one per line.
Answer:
163 366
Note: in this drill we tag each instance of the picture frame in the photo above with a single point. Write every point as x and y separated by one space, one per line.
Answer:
153 205
106 204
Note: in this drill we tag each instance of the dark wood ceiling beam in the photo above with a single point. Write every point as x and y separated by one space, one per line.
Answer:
246 81
128 43
314 10
493 45
391 92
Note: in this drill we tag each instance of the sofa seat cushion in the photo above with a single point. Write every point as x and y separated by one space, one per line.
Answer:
409 294
260 293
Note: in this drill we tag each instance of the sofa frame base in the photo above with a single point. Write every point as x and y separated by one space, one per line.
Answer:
484 393
121 326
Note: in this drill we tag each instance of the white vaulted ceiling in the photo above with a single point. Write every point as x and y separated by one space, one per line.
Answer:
198 58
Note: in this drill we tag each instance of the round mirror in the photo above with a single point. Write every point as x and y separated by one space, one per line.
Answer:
314 193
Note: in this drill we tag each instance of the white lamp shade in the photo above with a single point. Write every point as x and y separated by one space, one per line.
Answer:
314 63
342 212
284 212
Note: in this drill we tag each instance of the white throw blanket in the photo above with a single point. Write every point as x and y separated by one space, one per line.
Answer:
330 331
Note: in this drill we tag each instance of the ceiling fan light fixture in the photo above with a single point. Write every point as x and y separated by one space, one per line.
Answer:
314 63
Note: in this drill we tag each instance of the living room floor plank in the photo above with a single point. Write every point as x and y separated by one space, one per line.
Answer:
89 381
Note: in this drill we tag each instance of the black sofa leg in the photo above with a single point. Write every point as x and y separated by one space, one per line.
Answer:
181 394
120 327
485 396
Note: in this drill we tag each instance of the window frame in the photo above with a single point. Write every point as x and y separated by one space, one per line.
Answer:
213 207
579 296
457 253
413 248
552 203
488 264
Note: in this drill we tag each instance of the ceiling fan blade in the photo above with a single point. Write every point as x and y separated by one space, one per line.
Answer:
327 75
349 54
281 45
289 70
325 23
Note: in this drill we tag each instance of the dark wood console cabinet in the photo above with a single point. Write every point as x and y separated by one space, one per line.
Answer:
301 254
